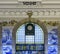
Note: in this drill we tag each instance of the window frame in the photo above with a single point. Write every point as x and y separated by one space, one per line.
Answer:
35 21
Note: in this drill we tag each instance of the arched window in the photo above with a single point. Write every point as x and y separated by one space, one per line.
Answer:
38 38
34 42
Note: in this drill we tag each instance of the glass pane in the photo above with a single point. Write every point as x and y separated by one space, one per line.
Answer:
20 35
28 52
39 35
29 43
29 39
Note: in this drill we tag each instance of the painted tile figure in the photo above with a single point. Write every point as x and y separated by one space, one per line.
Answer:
53 41
6 41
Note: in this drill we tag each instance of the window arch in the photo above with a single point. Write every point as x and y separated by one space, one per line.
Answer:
36 22
38 38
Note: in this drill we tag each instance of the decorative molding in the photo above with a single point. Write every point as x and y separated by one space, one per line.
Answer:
21 1
51 2
36 21
18 14
30 4
14 22
39 12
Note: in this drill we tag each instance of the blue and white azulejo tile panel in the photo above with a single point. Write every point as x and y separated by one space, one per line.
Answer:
6 36
6 40
53 37
53 49
7 49
53 41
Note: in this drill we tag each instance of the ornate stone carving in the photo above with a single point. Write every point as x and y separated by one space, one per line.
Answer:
44 13
13 22
37 13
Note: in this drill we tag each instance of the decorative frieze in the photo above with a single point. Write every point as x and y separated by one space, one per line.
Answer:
35 13
42 14
14 22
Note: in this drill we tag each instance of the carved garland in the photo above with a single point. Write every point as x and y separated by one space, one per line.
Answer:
30 13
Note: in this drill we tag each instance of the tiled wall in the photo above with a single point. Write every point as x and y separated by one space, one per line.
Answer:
6 40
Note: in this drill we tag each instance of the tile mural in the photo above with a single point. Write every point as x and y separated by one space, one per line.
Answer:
6 40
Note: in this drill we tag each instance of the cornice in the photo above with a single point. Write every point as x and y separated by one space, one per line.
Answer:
51 2
21 1
39 4
36 12
42 14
